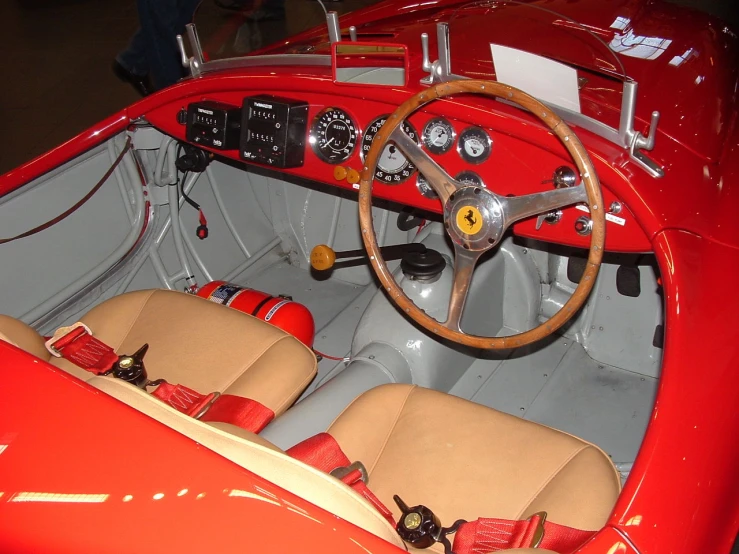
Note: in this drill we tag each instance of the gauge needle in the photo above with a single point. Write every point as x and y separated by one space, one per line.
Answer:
329 141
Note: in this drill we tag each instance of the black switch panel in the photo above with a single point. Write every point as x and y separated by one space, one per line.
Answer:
273 130
214 124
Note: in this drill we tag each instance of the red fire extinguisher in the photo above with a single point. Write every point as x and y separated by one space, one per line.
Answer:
280 311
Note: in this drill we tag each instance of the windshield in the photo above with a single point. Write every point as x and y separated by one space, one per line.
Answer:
234 33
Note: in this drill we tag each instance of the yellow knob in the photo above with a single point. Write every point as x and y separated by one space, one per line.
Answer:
352 176
339 173
322 257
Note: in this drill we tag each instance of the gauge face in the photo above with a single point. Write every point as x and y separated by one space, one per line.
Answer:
474 145
333 135
438 136
470 178
392 166
424 188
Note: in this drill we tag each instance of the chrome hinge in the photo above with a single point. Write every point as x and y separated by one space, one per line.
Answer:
195 62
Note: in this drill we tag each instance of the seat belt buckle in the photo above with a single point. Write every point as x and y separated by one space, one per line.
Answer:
342 471
69 332
209 401
539 531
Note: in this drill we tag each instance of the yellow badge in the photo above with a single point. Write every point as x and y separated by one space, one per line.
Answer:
469 220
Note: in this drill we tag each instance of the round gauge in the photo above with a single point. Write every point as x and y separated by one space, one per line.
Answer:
392 166
470 178
424 188
474 145
333 135
438 135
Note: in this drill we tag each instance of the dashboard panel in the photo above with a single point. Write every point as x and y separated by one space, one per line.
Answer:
337 131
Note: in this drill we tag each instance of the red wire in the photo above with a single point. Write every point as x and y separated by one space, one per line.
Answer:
329 357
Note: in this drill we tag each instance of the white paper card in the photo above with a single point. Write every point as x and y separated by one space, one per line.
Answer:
542 78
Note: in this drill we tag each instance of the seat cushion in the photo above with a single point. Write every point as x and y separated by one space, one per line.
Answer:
203 345
23 336
464 460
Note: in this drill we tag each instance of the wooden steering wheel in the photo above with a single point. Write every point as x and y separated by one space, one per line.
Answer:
476 218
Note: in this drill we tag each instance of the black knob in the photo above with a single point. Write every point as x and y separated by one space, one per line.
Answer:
182 117
131 368
422 265
418 526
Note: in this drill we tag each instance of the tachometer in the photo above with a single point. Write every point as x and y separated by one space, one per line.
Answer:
438 135
474 145
392 166
333 135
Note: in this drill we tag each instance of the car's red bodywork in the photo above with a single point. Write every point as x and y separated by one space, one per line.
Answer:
59 435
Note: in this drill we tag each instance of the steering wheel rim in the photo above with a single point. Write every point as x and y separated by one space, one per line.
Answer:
494 219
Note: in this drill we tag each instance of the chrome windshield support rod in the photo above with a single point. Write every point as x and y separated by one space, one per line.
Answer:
195 62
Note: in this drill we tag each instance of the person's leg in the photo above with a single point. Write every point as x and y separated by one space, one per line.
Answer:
132 65
134 58
161 21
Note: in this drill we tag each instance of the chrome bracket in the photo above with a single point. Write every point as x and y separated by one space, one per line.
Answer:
439 71
636 142
195 62
625 136
334 31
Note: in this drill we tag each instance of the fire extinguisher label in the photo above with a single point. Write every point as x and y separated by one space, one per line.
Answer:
273 310
224 294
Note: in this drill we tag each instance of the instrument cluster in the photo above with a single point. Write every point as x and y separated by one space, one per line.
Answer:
334 137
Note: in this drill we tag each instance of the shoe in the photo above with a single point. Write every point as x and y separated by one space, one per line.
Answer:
261 14
140 82
233 5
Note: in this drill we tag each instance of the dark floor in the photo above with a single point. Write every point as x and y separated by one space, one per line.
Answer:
58 53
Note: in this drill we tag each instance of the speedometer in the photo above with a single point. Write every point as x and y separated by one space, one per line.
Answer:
333 135
392 166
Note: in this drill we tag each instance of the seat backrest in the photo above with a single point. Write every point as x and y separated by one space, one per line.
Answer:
23 336
260 457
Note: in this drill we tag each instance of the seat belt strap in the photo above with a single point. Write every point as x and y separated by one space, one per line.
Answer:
76 344
323 453
216 407
486 535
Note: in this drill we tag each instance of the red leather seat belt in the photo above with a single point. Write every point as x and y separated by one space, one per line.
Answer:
492 535
484 535
324 453
77 345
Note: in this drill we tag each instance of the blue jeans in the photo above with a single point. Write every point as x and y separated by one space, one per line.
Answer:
153 49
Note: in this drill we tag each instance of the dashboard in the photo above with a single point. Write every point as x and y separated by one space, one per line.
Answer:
324 138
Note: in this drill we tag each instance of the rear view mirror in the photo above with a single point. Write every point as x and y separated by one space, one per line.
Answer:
369 63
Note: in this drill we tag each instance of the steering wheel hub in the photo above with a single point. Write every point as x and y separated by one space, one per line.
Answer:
474 218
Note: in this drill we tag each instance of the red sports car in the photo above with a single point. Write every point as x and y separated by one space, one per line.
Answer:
441 275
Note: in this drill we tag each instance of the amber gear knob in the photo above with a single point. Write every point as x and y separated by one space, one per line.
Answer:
322 257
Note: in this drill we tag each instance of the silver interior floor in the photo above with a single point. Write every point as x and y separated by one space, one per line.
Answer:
557 384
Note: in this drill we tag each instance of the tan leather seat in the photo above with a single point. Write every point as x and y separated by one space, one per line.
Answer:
193 342
464 460
460 459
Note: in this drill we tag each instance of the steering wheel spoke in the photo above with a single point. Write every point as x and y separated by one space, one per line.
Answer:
436 176
516 208
464 266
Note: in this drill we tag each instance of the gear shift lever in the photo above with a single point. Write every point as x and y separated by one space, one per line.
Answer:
324 257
